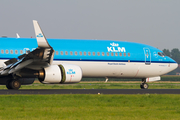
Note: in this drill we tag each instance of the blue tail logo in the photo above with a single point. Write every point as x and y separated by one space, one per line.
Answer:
39 35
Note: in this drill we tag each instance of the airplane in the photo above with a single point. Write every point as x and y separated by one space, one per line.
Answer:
60 61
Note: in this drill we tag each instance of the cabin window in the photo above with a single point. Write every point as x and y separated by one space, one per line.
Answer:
11 51
80 53
56 52
116 54
120 54
71 53
84 53
16 51
124 54
7 51
107 54
21 51
93 53
89 53
98 53
61 52
102 53
75 52
129 54
2 51
66 53
112 54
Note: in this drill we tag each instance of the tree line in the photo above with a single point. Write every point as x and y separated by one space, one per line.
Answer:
174 54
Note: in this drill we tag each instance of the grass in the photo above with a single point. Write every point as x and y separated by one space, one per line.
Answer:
88 107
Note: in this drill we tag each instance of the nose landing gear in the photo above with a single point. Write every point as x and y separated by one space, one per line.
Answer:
144 85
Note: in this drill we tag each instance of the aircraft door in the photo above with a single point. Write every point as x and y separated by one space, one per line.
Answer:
147 54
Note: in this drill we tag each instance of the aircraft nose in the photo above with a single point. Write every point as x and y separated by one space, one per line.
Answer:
173 65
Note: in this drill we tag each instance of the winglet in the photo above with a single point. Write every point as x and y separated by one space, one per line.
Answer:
41 39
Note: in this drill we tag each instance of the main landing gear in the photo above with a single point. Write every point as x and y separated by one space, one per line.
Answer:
144 85
13 84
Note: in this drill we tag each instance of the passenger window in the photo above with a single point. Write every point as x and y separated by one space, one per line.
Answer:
2 51
75 53
107 54
120 54
56 52
98 53
129 54
61 52
102 53
66 53
84 53
21 51
7 51
16 51
112 54
116 54
71 53
89 53
11 51
80 53
124 54
93 53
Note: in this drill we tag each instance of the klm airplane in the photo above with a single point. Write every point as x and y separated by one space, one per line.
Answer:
59 61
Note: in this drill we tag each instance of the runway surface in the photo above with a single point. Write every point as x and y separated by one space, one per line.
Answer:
91 91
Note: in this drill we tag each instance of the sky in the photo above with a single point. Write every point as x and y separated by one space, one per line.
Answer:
152 22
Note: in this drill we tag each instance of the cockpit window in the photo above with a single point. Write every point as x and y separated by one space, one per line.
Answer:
161 54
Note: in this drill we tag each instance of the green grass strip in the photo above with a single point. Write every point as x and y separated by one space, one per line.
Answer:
90 107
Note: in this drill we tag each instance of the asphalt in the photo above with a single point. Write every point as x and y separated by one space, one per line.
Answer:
91 91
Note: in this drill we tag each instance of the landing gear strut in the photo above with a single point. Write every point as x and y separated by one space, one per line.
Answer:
144 85
13 84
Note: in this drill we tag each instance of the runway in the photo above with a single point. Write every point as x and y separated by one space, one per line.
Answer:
90 91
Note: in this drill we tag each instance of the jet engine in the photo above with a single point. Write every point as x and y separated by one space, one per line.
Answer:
64 73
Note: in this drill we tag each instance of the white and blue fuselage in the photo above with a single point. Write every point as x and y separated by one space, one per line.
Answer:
97 58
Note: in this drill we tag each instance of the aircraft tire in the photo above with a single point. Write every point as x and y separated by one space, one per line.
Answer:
8 86
15 84
144 86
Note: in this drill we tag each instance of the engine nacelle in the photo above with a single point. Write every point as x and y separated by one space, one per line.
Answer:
64 73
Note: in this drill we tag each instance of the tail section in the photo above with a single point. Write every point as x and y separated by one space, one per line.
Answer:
41 39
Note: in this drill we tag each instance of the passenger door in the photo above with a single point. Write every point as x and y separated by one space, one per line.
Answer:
147 54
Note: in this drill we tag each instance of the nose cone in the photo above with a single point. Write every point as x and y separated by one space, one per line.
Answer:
173 64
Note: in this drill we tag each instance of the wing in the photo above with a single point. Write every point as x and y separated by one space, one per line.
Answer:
39 58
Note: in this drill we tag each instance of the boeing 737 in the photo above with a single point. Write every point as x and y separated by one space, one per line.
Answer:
59 61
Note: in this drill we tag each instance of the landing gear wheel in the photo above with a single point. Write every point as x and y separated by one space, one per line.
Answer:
144 86
14 84
8 85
